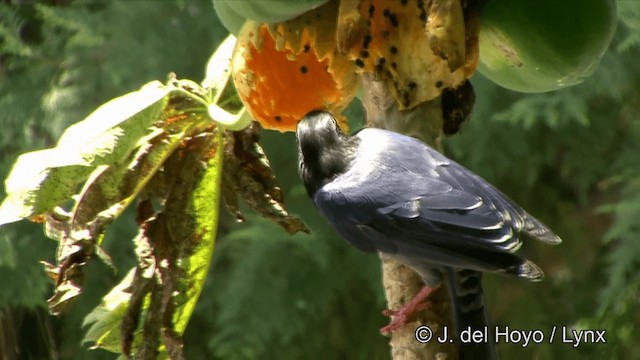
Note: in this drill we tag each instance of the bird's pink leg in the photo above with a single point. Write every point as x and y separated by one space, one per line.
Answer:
408 311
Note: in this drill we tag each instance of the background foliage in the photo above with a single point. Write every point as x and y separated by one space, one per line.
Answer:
569 157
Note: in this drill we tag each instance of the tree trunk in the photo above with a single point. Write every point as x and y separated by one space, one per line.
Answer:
401 283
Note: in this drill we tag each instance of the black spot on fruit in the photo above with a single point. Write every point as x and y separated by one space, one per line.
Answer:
366 41
393 19
405 98
380 63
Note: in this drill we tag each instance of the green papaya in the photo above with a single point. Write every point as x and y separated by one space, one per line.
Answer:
543 45
233 13
228 17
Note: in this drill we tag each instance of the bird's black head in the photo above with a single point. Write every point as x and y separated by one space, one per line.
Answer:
324 150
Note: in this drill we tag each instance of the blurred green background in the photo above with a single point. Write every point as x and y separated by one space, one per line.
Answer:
571 157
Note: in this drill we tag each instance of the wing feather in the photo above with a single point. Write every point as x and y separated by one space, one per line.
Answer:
411 201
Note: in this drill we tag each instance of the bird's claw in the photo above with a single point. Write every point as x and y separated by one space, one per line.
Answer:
407 312
403 312
402 316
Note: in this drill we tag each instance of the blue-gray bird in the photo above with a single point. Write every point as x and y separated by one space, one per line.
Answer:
390 193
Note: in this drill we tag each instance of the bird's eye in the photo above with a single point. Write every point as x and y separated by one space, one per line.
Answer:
337 127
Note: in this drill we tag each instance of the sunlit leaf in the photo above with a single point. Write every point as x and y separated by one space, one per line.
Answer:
104 321
222 91
113 129
174 249
111 189
42 179
39 181
218 68
203 208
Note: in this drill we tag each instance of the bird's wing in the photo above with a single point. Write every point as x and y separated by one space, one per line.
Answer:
421 206
463 179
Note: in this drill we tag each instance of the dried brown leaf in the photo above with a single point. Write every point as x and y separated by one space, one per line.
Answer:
248 174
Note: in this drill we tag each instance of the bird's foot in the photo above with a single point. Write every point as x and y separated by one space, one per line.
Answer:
402 316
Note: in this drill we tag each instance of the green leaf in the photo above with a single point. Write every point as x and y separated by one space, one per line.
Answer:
222 91
104 321
191 217
111 189
108 191
41 180
113 130
200 220
219 67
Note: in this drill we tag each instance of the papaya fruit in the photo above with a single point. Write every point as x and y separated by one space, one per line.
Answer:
229 17
233 13
283 71
536 46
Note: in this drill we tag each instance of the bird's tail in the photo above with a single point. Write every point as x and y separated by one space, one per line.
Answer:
469 314
539 231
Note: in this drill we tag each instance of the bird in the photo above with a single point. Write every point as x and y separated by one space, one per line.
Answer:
392 194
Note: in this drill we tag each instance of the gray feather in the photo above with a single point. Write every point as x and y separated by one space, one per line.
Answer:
403 198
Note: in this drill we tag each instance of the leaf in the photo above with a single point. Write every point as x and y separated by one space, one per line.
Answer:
111 189
248 174
233 122
145 284
69 275
106 194
174 249
222 90
204 204
113 129
192 219
104 321
41 180
218 68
